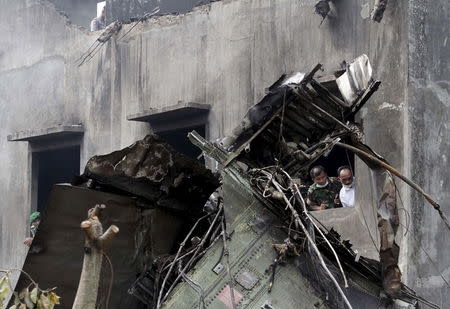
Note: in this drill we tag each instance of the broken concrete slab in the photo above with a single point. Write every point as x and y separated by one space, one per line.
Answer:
61 131
152 170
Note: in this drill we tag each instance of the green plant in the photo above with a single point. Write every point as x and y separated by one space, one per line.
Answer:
31 297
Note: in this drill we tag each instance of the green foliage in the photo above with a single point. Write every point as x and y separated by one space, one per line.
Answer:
31 297
5 289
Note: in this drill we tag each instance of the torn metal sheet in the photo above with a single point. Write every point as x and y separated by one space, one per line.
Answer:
253 244
356 79
97 45
305 117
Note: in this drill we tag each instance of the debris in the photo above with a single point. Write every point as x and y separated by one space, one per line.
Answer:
222 239
286 250
154 286
353 264
153 171
146 16
279 138
106 35
379 7
322 8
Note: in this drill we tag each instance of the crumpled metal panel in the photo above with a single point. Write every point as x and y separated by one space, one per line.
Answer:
356 79
251 254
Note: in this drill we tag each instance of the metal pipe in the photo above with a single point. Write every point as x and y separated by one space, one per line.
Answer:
399 175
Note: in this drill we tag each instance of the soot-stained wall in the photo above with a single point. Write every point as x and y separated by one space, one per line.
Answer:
427 146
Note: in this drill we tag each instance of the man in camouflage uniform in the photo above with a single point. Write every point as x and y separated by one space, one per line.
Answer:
324 192
35 220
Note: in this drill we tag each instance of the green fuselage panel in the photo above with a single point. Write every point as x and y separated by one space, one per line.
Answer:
254 230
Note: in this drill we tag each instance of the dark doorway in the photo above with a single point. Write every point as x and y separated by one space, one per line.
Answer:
52 167
180 142
337 157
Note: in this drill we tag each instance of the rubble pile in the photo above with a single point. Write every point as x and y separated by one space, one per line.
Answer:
152 170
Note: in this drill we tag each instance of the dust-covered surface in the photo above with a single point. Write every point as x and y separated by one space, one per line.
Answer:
151 169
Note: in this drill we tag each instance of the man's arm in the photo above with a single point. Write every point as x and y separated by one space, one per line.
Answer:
313 203
28 241
317 207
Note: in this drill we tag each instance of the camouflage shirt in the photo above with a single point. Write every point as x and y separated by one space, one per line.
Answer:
326 195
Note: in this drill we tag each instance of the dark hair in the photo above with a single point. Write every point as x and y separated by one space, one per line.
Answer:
345 167
316 171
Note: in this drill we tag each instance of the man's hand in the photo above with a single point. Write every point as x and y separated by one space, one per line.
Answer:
322 206
28 241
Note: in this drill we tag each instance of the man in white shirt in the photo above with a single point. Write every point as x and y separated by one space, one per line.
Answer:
347 193
99 22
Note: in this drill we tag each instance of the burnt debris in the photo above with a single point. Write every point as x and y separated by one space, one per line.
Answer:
302 117
322 8
378 10
249 238
151 170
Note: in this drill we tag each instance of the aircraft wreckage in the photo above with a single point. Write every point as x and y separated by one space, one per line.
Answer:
190 240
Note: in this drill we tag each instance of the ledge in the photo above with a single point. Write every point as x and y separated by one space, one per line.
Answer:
52 132
173 112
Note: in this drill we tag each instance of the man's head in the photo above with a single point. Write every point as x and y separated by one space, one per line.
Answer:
319 176
345 176
35 218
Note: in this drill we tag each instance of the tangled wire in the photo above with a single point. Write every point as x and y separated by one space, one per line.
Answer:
277 184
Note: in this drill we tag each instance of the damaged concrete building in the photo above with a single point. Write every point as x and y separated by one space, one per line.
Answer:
202 70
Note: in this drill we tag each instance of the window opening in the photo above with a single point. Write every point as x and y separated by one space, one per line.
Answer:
51 167
179 141
337 157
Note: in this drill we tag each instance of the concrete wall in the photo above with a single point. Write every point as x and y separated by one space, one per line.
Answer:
427 146
225 54
41 87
